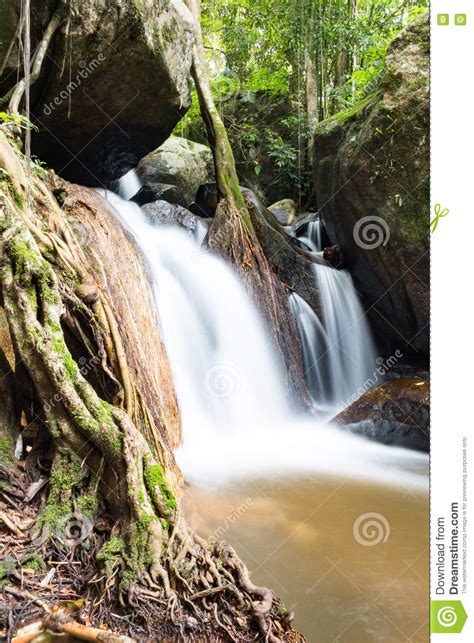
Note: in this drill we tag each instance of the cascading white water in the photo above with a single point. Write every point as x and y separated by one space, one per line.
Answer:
313 237
129 184
338 350
314 344
236 418
225 372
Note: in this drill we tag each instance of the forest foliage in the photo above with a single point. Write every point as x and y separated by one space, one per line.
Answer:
279 67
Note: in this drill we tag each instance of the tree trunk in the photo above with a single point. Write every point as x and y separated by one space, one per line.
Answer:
107 476
232 233
312 99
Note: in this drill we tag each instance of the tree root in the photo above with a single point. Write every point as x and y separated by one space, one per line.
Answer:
146 556
14 96
58 620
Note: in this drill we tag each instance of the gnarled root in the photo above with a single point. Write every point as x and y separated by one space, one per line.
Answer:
106 478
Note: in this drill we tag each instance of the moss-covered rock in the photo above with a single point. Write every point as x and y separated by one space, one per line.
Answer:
178 162
373 161
397 412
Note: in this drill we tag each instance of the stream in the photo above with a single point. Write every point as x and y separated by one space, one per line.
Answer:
297 535
335 524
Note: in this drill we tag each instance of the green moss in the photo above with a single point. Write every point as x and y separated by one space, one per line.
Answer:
8 186
126 578
340 117
95 427
87 504
111 551
32 269
62 350
155 479
66 476
33 561
168 33
7 448
139 551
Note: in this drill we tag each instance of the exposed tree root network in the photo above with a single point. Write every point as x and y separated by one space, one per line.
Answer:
92 530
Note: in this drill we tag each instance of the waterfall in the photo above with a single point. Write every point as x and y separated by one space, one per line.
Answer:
128 185
237 421
225 371
314 344
338 350
313 236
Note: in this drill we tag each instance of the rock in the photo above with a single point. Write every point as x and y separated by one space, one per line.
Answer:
396 412
371 165
178 162
113 86
169 193
131 298
284 211
207 198
292 264
332 254
164 213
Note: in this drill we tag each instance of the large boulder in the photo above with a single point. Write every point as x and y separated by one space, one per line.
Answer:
129 292
178 162
394 413
285 211
113 85
371 167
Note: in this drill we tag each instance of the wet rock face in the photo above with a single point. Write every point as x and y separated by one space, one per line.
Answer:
113 86
293 268
371 169
395 413
164 213
180 163
285 211
131 298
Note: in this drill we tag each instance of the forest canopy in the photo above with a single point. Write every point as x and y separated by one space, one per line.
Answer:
280 67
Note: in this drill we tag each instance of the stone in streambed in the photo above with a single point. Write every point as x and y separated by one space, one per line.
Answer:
284 211
180 163
164 213
394 413
206 200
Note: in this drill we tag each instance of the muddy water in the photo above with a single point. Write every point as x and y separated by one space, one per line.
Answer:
350 576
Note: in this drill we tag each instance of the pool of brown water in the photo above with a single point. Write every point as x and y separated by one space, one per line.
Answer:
350 558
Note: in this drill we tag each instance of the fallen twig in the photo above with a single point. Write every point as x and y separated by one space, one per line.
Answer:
11 525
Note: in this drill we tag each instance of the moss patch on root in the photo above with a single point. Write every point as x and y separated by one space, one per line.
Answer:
156 483
66 476
6 450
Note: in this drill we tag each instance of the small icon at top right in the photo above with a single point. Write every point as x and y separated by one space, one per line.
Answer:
460 19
